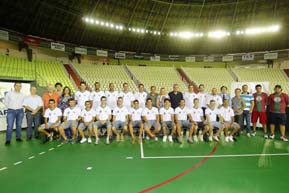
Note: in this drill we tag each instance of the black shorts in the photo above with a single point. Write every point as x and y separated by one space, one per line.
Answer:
277 118
49 130
200 125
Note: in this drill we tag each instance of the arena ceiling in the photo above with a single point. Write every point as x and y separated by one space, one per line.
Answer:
62 20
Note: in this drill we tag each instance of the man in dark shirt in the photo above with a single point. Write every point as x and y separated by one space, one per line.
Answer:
175 96
154 96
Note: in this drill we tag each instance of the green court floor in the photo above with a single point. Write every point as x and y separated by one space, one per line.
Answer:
252 165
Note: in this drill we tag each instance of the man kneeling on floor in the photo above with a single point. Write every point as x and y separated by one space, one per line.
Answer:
71 116
52 117
87 117
227 119
120 120
150 116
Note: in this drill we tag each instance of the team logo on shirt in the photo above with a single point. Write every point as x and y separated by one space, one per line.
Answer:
259 98
277 99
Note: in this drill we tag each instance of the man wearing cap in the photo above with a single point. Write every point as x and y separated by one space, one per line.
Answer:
277 103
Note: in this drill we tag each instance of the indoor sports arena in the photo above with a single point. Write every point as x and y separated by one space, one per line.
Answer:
137 96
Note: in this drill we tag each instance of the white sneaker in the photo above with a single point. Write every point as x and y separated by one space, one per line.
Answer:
147 137
248 135
195 138
165 138
180 139
272 136
227 138
96 141
50 137
266 136
89 140
156 139
201 138
190 140
216 138
253 133
170 139
107 141
284 138
231 139
83 140
210 138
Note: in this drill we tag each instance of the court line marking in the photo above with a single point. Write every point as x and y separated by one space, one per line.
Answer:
17 163
216 156
31 157
141 151
211 156
205 158
195 166
4 168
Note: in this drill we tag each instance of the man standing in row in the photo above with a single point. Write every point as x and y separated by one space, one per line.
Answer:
33 105
14 103
278 102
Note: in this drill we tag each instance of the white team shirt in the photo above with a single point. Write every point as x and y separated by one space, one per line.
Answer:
111 98
227 113
202 99
189 99
141 97
150 114
52 115
182 113
120 114
95 98
216 98
135 114
87 115
72 114
167 113
197 114
212 113
103 113
128 97
81 98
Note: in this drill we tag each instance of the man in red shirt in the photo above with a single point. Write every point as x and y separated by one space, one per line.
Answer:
259 110
49 94
278 102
